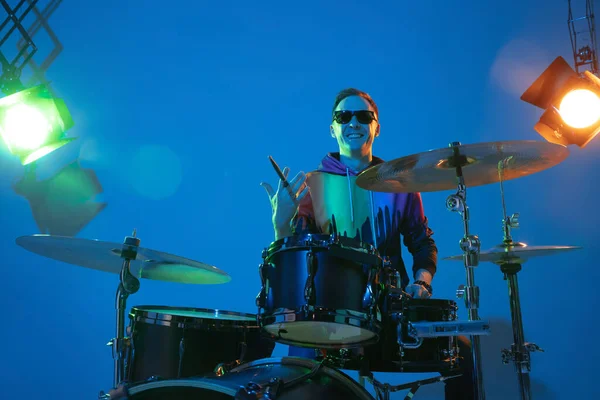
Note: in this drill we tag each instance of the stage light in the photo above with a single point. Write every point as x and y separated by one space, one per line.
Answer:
580 108
571 103
33 123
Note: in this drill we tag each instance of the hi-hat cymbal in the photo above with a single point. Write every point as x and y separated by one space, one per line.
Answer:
435 170
106 256
516 253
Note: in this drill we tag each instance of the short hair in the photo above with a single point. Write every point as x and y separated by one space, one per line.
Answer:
353 92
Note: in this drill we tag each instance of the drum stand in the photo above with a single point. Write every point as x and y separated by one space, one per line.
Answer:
129 285
470 245
383 390
519 352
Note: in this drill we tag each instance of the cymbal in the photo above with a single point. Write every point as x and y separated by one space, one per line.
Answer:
516 253
435 170
106 256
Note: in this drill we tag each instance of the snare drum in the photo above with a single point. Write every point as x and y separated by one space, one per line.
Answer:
432 354
285 378
172 343
319 291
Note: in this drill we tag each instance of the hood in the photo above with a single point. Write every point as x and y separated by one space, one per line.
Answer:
331 163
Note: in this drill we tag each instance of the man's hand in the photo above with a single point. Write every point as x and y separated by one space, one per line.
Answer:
419 291
284 201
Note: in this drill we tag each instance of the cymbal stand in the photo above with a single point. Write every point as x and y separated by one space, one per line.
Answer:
128 285
470 245
520 350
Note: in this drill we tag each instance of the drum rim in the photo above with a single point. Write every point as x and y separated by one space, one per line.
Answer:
430 302
200 382
364 322
292 242
143 312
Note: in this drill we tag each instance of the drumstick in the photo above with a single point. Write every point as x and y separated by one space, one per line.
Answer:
286 184
278 170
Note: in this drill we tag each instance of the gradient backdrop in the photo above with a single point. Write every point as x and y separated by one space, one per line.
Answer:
177 107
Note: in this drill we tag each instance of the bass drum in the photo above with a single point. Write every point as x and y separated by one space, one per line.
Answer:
287 378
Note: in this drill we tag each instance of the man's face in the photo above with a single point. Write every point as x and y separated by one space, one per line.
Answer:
355 137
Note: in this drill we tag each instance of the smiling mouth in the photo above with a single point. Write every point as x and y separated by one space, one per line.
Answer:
354 136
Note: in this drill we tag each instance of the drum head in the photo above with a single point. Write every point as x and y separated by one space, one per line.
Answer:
320 334
165 313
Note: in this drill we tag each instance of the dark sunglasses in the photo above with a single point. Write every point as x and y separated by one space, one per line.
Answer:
362 116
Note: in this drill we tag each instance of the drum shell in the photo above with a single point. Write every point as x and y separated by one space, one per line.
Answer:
339 284
168 345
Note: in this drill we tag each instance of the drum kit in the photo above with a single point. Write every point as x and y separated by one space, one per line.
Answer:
368 324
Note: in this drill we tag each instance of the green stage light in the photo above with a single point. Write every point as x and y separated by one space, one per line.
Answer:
33 123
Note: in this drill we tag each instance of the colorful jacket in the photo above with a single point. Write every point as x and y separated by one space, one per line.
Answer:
396 217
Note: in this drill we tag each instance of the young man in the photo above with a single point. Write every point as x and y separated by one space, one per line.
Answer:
385 220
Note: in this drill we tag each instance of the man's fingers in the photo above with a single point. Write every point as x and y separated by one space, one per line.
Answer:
268 188
302 193
285 173
298 180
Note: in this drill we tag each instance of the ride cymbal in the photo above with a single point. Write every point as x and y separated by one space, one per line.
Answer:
106 256
435 170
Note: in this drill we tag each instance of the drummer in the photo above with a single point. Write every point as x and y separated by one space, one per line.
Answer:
398 216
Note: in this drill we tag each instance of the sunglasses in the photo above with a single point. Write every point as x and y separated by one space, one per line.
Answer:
362 116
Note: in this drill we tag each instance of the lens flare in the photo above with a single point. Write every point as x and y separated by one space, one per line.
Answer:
580 108
25 128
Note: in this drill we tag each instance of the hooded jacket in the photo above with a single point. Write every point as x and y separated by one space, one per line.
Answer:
336 203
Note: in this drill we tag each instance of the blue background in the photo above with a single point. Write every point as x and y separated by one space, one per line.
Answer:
177 107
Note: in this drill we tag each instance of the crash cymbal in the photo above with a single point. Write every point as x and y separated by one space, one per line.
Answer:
106 256
435 170
516 253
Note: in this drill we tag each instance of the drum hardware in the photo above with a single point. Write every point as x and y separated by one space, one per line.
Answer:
224 368
510 256
309 292
448 328
520 350
254 391
411 333
128 285
119 392
383 390
470 245
475 165
272 389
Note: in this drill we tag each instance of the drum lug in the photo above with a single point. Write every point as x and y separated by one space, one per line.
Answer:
309 291
261 298
118 393
252 391
368 301
368 298
224 368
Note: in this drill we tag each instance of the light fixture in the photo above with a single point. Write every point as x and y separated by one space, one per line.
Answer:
571 103
33 123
